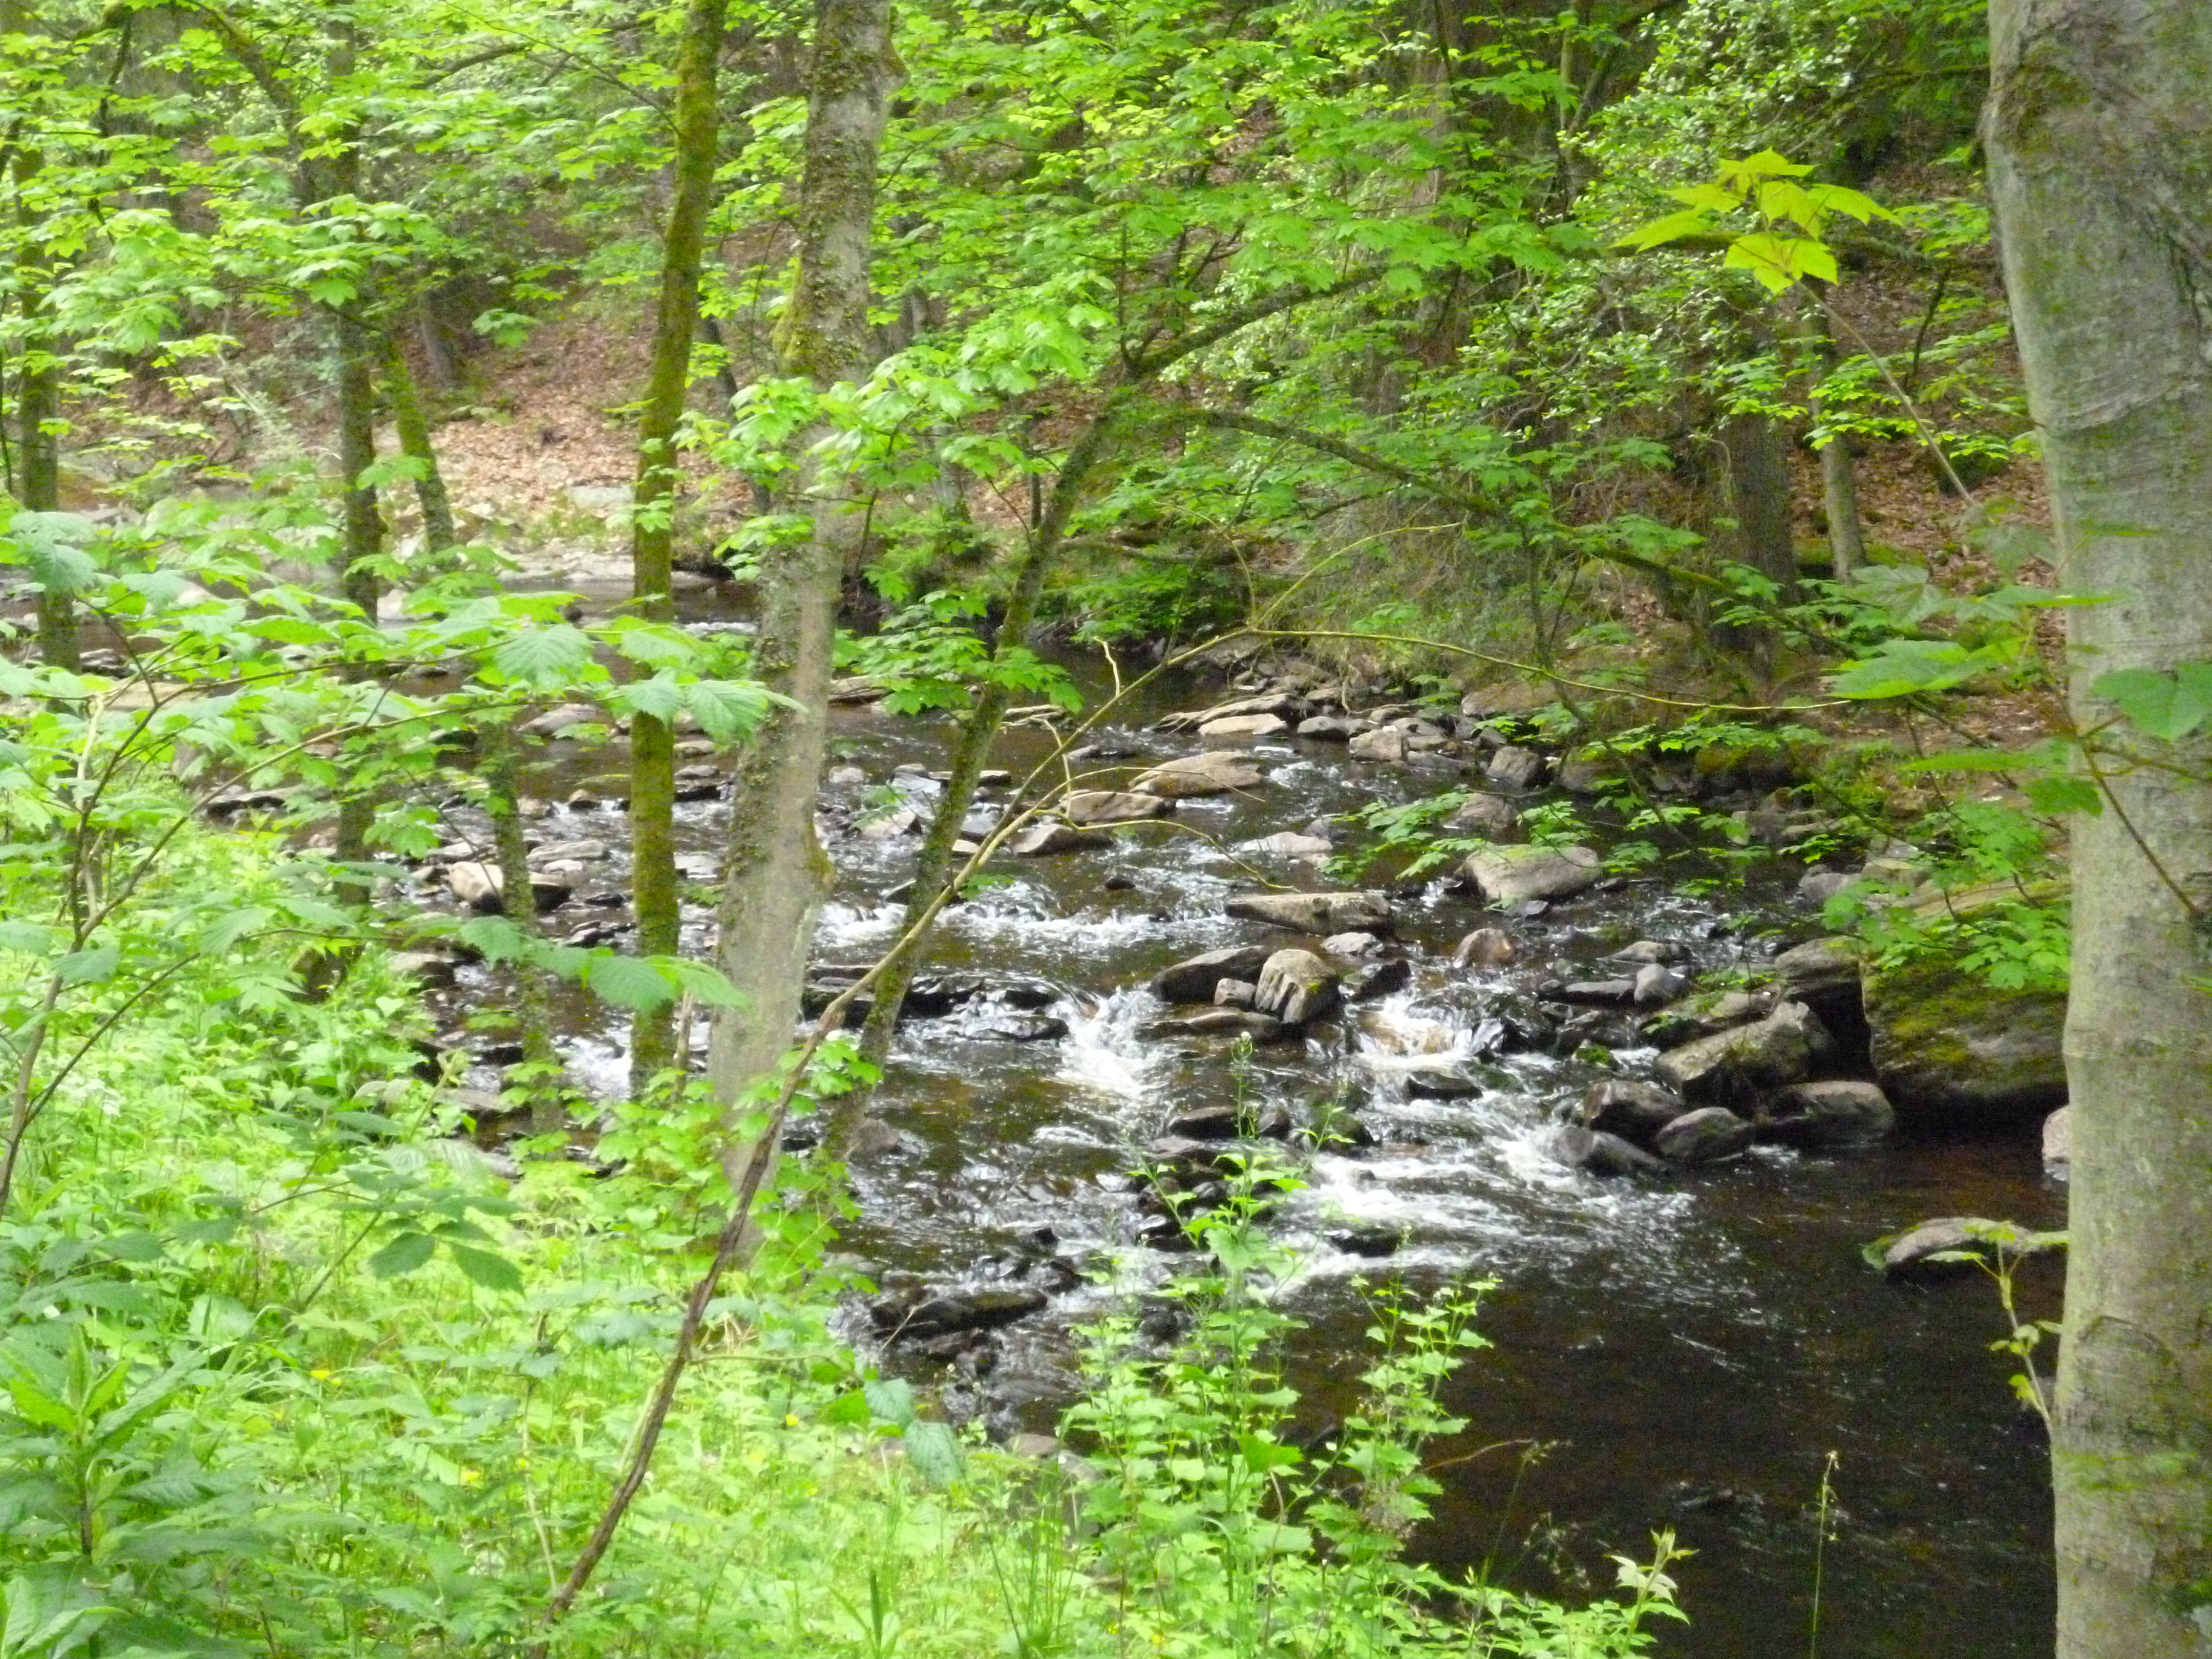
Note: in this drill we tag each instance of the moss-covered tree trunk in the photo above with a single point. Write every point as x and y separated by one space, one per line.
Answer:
776 873
412 422
38 390
2099 135
654 892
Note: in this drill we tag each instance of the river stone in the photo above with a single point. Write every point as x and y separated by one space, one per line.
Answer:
588 851
1444 1080
1704 1015
1709 1135
1016 1026
980 1309
1385 743
1112 806
1289 843
1819 887
1236 993
480 886
1633 1111
1907 1254
1043 840
428 968
1377 979
554 721
1594 993
1275 705
1245 726
1351 946
2058 1143
1296 985
1205 1123
1334 729
1492 816
1222 1022
1587 771
1366 1239
1824 975
1194 978
1215 772
1820 1116
1656 984
855 689
1514 768
1748 1060
1485 947
1320 913
1952 1050
1601 1154
1653 950
1514 875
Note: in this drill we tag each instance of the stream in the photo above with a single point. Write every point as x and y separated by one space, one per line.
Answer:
1684 1353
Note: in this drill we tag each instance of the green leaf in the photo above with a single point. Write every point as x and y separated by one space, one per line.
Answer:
493 1271
628 982
90 966
53 545
1692 221
405 1253
2168 706
550 656
935 1454
728 709
703 984
2059 796
891 1400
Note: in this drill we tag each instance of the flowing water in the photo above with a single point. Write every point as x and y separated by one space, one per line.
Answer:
1684 1355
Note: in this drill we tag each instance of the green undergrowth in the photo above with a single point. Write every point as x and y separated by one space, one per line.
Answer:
291 1371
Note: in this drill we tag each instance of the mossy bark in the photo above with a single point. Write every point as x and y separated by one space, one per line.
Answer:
655 894
2099 138
413 422
776 873
38 397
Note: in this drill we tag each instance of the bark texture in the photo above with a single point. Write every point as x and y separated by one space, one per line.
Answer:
776 873
2099 135
652 520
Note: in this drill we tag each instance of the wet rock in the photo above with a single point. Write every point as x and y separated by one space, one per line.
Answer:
1272 705
1088 806
1215 772
1492 816
1952 1050
1351 947
1517 769
1205 1123
1186 1157
1193 979
1320 913
1823 1116
1819 887
1749 1060
2058 1144
1649 951
1656 984
1236 993
1908 1254
899 820
1633 1111
1224 1022
1377 979
1370 1239
872 1138
1045 839
1579 1147
846 777
1445 1081
1588 771
1015 1025
566 718
1485 947
1514 875
1295 987
984 1308
1712 1134
479 886
1334 729
1245 726
426 968
855 689
1288 844
1386 742
584 851
1824 975
1597 993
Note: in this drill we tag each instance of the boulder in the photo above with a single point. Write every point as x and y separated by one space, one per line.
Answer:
1288 844
1823 973
1236 993
1245 726
1951 1050
1485 947
1601 1154
1656 984
1702 1016
1648 951
1444 1079
1224 1022
1514 875
1086 807
1384 743
1351 946
1634 1111
1320 913
1907 1255
1819 887
1592 993
1749 1060
566 717
1588 771
1215 772
1366 1239
1377 979
1296 985
1818 1117
1043 839
1709 1135
961 1311
1492 816
1193 979
2058 1143
1019 1025
1274 705
1514 768
480 886
1334 729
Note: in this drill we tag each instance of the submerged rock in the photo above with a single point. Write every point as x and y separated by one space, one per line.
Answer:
1485 947
1045 840
1711 1134
1245 726
1321 914
1289 843
1089 806
897 1321
1824 1116
1635 1111
1580 1148
1214 773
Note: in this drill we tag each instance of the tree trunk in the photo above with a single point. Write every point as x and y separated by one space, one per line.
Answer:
38 398
413 423
1839 486
776 873
532 1015
1759 497
2099 139
652 531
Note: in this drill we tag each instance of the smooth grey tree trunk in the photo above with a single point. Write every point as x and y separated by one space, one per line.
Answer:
776 873
2099 135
